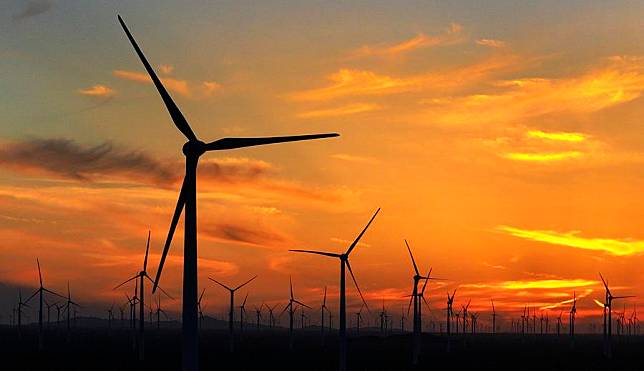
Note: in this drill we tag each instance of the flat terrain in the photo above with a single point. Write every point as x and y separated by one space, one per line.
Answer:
100 349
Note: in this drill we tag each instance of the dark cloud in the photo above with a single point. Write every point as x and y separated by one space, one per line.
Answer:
33 8
252 235
67 159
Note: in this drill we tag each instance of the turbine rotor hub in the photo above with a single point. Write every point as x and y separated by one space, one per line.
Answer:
194 148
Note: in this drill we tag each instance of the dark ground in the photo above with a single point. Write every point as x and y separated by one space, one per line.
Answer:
98 349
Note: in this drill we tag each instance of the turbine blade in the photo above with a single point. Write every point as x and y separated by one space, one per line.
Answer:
220 284
159 287
232 143
53 293
177 117
244 284
623 297
318 253
302 304
39 274
426 303
201 296
353 245
290 281
411 297
412 259
130 279
422 291
324 301
357 287
32 295
604 282
173 225
147 249
244 303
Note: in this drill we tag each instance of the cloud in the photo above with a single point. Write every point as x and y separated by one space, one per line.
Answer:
172 84
349 109
347 243
210 87
352 82
65 158
617 81
615 247
34 8
492 43
249 235
352 158
452 35
558 136
543 157
97 91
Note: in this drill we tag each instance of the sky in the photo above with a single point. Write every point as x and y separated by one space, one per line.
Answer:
502 139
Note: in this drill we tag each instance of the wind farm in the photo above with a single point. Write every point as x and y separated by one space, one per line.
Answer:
474 167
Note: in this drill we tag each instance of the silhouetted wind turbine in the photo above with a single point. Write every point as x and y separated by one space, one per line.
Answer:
231 313
159 311
416 320
193 149
242 314
258 314
68 308
344 262
322 310
608 312
141 276
291 311
450 314
493 317
20 305
572 313
199 309
41 291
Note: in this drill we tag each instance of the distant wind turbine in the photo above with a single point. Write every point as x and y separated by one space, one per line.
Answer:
41 291
231 312
344 263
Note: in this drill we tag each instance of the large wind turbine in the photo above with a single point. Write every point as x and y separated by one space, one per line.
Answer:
141 276
608 314
231 313
322 310
68 307
344 263
41 291
193 149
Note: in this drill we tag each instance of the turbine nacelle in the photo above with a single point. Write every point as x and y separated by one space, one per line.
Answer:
194 148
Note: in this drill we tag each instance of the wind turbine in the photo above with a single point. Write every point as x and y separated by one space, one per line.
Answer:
193 149
572 314
450 312
608 312
159 311
322 310
140 277
199 308
359 319
344 263
464 312
231 312
271 317
493 317
559 324
41 291
68 308
414 296
291 311
242 313
258 313
20 305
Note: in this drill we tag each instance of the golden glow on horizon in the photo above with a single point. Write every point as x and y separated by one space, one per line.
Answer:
571 239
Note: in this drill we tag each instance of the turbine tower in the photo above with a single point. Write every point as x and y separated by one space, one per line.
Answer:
344 263
192 150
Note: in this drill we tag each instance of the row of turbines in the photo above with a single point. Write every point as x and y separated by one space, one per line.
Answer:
191 307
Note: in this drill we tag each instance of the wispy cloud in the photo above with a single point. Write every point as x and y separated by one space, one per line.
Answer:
492 43
618 247
452 35
349 109
102 91
558 136
534 284
166 69
172 84
618 80
543 157
352 82
34 8
65 158
254 235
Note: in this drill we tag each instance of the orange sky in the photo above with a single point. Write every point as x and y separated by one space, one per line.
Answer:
507 151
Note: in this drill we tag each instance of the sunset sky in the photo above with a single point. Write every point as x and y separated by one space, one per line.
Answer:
504 141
